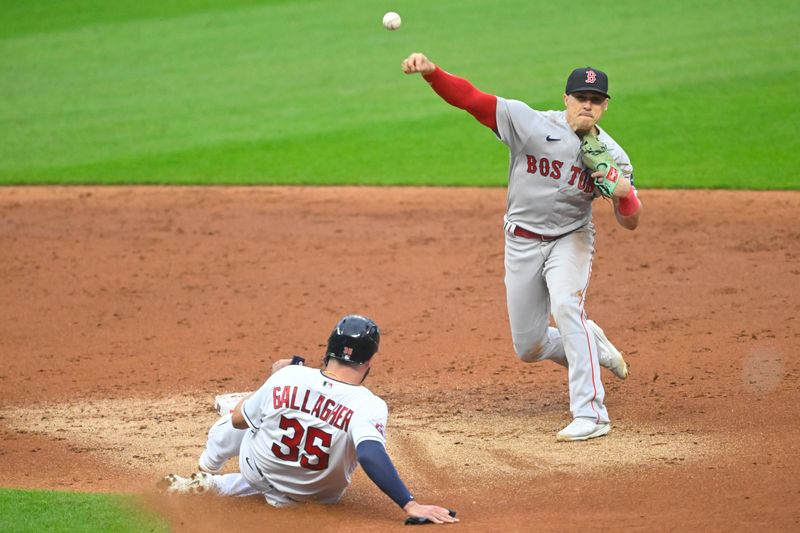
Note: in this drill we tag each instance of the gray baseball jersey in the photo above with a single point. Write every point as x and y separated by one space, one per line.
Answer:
550 191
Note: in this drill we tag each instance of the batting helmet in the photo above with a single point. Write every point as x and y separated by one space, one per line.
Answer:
355 339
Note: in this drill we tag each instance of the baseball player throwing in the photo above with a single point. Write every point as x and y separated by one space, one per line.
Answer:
300 436
549 236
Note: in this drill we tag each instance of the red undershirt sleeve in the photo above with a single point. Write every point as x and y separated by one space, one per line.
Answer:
462 94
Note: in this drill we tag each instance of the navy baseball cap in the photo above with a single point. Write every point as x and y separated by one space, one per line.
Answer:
588 79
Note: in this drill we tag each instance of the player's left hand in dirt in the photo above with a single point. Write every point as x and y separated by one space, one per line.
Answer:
607 175
425 514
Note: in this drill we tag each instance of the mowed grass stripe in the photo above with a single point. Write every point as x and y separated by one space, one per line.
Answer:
259 92
27 511
387 153
23 17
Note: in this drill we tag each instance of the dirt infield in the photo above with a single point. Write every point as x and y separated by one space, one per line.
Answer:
125 310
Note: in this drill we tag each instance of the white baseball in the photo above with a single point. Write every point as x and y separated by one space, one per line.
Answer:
391 21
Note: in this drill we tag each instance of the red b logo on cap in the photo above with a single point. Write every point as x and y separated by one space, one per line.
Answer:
591 76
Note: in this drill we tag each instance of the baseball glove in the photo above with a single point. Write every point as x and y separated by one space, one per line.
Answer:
596 157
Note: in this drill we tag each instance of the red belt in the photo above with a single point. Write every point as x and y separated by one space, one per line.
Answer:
522 232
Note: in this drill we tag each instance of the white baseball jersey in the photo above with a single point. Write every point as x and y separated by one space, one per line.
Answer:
304 431
550 191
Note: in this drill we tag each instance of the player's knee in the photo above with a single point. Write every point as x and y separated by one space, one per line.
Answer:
529 352
566 309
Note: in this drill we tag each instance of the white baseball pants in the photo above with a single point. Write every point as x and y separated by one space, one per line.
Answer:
544 277
225 442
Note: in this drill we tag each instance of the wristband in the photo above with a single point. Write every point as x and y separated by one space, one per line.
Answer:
630 204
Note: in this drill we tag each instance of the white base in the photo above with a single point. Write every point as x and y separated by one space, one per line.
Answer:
224 403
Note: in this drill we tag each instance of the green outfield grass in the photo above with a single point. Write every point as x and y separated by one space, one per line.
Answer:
24 511
282 91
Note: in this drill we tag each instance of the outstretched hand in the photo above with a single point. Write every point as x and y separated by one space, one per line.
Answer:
434 513
417 62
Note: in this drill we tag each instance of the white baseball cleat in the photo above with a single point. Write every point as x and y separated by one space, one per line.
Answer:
197 483
583 429
607 353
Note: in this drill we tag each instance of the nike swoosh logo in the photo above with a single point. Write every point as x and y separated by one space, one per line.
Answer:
553 138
